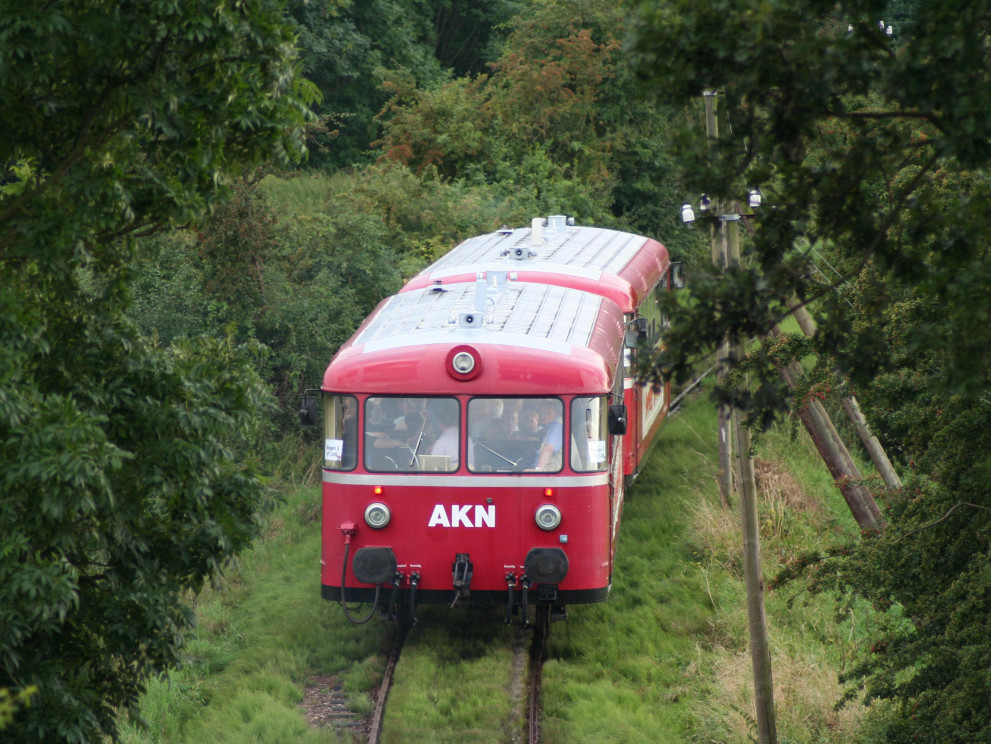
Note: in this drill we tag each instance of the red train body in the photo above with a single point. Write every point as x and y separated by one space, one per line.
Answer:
481 425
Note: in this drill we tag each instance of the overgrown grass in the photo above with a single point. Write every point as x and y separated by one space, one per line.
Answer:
455 675
261 633
665 659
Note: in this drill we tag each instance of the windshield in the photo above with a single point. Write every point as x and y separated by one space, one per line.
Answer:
515 435
412 434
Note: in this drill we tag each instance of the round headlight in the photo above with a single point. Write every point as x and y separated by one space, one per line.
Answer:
548 517
377 515
463 362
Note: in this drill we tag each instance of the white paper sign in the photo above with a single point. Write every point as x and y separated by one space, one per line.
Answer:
597 451
333 449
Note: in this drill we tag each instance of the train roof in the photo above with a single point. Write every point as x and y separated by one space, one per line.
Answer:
526 338
619 265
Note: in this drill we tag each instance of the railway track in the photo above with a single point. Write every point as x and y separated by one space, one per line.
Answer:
538 654
529 678
375 728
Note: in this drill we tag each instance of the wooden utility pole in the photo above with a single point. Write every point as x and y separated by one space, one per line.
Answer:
724 476
760 651
877 454
836 456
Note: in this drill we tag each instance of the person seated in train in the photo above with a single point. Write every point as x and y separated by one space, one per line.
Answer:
448 442
405 437
549 454
410 407
482 426
509 425
530 427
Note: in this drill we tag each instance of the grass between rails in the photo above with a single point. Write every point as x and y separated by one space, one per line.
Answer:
665 659
454 679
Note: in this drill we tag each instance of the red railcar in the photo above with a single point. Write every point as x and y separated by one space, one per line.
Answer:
631 270
477 426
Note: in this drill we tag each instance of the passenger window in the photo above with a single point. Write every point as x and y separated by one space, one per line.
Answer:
589 437
340 444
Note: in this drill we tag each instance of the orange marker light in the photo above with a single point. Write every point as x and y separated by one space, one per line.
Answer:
548 492
377 490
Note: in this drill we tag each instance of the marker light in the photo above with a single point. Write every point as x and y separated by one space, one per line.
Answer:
547 516
378 490
548 492
377 515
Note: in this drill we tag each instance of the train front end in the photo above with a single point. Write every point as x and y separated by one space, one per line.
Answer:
472 451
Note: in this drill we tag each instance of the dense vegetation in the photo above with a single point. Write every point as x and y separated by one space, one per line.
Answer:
874 151
161 308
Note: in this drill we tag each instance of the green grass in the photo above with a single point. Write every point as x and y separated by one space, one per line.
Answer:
261 634
619 669
665 659
454 680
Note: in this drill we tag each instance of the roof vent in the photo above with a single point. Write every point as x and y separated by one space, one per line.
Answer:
537 232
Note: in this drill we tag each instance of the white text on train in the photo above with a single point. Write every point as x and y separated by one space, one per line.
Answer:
461 516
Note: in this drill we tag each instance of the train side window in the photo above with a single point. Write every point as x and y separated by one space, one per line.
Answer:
589 434
406 434
340 444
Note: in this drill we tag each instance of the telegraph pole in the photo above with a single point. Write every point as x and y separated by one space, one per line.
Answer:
726 255
724 476
760 650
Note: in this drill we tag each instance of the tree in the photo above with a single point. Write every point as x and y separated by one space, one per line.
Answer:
349 48
555 126
873 152
125 478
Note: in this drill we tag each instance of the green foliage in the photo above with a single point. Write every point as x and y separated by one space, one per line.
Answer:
11 700
348 48
553 127
298 290
126 477
873 152
137 108
121 491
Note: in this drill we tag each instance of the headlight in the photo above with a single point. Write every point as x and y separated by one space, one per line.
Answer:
547 516
377 515
463 362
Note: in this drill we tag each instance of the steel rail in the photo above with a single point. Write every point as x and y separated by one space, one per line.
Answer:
375 727
538 654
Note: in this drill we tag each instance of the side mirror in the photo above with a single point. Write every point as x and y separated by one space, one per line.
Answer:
616 420
677 275
308 411
635 334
